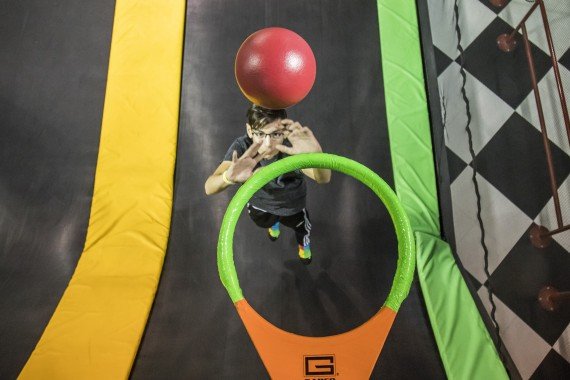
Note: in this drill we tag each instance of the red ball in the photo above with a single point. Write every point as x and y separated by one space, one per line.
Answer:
275 68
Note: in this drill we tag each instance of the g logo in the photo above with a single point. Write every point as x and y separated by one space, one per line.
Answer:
319 365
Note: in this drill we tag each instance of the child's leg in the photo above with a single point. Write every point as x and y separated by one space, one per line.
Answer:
261 218
301 223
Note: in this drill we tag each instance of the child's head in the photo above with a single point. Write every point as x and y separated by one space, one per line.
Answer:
263 126
258 117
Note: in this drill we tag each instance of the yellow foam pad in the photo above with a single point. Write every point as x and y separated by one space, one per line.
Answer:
97 326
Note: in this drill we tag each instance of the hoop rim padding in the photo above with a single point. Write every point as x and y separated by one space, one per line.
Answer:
406 247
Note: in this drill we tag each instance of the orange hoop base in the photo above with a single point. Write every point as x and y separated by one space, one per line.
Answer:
347 356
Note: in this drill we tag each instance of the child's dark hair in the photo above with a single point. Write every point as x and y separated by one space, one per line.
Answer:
258 116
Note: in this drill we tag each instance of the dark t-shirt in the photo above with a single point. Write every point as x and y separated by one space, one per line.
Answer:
285 195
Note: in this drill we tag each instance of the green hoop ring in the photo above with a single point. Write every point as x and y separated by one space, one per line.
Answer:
406 246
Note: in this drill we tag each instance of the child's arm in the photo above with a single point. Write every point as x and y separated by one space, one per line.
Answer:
238 170
321 176
215 183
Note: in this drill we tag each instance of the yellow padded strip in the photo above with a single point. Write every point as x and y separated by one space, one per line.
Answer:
97 326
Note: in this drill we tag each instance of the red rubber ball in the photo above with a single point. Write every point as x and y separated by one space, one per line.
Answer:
275 68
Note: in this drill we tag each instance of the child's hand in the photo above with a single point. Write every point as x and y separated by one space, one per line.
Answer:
301 139
242 168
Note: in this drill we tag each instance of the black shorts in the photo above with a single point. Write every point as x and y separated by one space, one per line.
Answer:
299 222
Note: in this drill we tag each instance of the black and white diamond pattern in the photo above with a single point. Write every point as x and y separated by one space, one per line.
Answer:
492 7
511 169
557 13
547 216
506 74
553 367
565 60
522 172
442 61
488 112
552 109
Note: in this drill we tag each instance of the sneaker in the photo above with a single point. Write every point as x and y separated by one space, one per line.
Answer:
273 232
305 254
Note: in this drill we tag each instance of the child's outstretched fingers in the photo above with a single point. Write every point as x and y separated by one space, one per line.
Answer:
252 150
285 149
295 126
286 122
259 157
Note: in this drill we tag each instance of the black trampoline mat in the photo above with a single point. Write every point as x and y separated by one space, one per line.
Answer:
53 67
53 72
194 330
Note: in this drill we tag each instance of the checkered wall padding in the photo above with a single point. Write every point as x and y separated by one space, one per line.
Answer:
511 169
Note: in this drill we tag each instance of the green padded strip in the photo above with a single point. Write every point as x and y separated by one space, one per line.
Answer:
454 318
406 248
467 351
407 114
